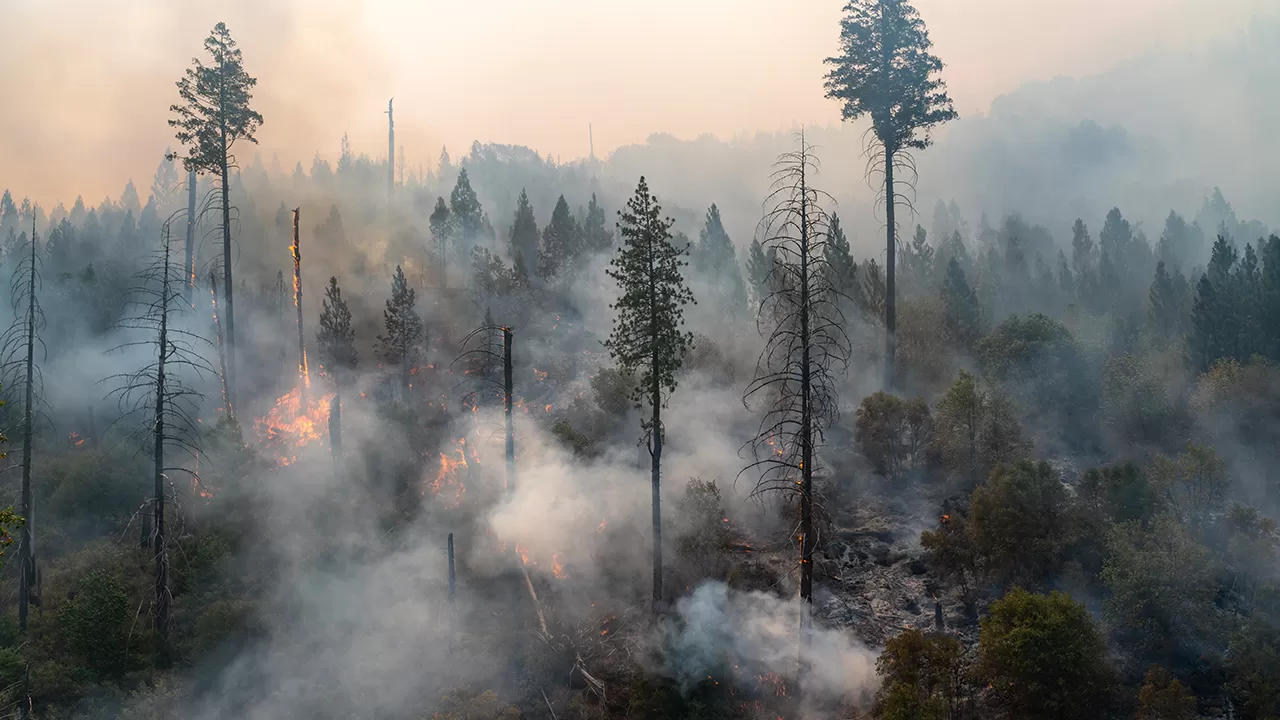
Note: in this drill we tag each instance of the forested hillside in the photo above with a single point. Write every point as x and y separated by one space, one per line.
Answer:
514 438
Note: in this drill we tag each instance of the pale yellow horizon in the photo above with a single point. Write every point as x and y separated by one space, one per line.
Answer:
88 84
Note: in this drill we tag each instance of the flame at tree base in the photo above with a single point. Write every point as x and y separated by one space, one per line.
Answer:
291 425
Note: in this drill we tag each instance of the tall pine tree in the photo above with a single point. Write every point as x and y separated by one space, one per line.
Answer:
561 242
648 341
336 338
597 236
523 237
885 70
213 116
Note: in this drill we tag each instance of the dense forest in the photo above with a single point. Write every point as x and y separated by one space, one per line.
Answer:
506 437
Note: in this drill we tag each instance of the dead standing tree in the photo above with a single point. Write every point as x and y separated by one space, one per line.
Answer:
160 393
806 350
22 378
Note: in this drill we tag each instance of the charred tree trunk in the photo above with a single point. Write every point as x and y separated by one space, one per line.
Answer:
304 378
161 558
890 274
26 553
806 440
507 394
335 426
222 355
189 269
391 154
452 575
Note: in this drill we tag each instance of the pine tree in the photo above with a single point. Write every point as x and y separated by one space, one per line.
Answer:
561 242
468 215
597 236
402 343
759 265
213 116
524 233
647 340
842 270
336 338
714 256
1269 310
962 322
442 232
885 70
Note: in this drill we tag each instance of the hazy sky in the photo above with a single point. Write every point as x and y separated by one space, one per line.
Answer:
87 84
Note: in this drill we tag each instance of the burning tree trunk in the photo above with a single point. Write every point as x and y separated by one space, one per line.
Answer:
304 377
806 343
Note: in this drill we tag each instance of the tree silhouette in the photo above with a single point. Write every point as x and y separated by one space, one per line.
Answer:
647 339
806 348
885 70
404 332
213 116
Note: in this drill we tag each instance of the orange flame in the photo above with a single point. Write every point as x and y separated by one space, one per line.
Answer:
447 475
556 568
539 375
290 424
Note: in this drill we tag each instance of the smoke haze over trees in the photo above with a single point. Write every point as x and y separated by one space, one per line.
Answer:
480 448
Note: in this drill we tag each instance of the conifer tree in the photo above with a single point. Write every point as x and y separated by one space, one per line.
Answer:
962 322
402 343
647 340
759 265
213 116
597 235
336 339
524 233
715 257
442 232
885 70
561 242
468 215
842 270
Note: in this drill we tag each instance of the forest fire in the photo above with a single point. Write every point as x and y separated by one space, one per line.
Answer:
290 424
447 476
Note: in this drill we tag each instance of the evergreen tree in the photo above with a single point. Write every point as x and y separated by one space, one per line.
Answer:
336 338
1215 317
597 236
1269 311
561 242
523 238
885 70
714 256
843 270
759 264
442 232
647 340
962 322
468 215
402 343
1168 303
213 116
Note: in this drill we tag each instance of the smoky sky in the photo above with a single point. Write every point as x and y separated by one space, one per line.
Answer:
87 85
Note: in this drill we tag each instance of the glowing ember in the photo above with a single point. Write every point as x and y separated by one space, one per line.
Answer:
75 439
603 523
539 375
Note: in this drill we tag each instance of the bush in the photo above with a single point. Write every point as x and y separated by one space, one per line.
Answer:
95 623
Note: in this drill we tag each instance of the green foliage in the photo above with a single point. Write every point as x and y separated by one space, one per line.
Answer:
714 256
1020 523
1042 657
647 340
1136 405
215 112
1117 494
223 622
950 552
613 390
1038 360
842 271
922 677
1170 304
561 242
1161 588
402 343
597 237
974 429
1193 485
523 238
575 441
962 324
336 338
885 70
704 542
1164 697
759 265
1253 670
95 623
893 433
